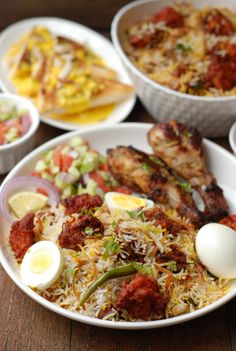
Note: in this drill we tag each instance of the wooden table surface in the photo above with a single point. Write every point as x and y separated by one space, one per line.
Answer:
27 326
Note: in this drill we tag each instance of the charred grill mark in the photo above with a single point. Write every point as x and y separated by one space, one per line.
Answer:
181 149
135 169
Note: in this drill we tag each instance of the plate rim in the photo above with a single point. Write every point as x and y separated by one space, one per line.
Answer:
91 320
57 123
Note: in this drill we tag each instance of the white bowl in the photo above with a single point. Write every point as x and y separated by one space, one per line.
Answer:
13 152
77 32
213 116
220 162
232 137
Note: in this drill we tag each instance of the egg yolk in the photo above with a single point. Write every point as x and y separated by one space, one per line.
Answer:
128 202
41 261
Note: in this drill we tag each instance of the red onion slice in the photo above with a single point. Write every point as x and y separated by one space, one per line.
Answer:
21 183
26 122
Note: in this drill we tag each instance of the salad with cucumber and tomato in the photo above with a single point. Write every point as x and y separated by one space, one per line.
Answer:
76 168
14 122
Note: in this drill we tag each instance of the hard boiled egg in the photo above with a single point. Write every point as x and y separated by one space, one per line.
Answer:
41 265
126 202
216 249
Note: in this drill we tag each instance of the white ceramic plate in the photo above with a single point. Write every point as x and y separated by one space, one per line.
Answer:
76 32
220 162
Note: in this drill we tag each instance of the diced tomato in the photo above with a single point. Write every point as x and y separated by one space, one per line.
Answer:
104 167
100 181
123 189
1 137
57 156
66 161
42 191
36 174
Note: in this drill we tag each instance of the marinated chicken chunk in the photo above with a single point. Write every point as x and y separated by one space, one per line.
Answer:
143 173
181 149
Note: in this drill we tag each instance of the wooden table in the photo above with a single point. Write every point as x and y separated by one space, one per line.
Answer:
27 326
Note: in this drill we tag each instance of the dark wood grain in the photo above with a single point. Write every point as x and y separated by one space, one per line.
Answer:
93 13
27 326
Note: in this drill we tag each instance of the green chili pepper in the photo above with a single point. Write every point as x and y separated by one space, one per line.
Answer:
112 274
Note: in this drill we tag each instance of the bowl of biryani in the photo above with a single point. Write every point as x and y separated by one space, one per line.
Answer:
180 57
106 256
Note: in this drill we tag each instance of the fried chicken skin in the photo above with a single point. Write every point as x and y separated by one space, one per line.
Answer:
22 235
145 174
216 23
180 147
141 298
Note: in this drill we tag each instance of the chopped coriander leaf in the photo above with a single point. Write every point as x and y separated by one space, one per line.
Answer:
185 187
183 47
147 168
187 134
143 269
113 224
157 160
89 231
172 266
111 247
136 214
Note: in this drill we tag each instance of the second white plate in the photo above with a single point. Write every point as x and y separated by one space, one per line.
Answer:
76 32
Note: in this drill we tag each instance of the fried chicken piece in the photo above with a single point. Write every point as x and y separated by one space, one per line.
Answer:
170 17
159 218
74 232
221 72
78 203
216 23
138 171
141 298
22 235
181 149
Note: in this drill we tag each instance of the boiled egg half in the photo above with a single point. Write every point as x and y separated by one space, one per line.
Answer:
216 249
115 200
41 265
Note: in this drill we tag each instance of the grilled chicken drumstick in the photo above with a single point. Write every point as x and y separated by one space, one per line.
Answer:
181 149
150 176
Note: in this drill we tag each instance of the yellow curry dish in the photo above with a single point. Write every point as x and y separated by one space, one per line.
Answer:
61 76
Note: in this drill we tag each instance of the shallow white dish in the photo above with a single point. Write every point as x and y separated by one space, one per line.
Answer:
13 152
77 32
213 116
220 162
232 137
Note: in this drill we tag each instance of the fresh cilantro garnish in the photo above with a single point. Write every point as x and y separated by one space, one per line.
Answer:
157 160
143 269
113 224
172 266
147 168
111 247
187 134
136 214
89 231
183 47
185 187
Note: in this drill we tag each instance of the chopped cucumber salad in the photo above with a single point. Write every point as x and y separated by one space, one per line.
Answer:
75 168
14 123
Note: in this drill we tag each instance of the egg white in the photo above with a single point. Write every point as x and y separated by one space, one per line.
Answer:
113 205
216 249
44 279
